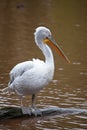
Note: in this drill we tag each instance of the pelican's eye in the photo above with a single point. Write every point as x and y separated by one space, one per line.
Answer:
46 38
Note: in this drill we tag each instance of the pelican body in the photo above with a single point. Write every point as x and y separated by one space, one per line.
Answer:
29 77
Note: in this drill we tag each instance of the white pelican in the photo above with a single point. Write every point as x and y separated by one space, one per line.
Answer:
29 77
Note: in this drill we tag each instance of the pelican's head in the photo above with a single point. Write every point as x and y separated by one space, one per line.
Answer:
43 35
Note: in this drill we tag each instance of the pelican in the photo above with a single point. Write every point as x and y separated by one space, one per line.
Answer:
29 77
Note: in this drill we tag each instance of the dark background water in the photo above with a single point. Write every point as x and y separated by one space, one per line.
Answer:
68 22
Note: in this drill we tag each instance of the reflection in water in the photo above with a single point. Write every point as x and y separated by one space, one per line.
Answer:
68 22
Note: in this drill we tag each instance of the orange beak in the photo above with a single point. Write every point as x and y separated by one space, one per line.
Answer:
56 47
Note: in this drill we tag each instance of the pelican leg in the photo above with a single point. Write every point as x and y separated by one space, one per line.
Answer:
33 101
34 110
24 109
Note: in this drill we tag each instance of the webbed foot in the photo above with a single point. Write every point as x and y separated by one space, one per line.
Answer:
26 110
36 112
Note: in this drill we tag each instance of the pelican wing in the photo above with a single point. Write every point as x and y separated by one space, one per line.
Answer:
19 69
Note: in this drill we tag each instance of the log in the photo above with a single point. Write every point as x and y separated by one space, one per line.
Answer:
16 112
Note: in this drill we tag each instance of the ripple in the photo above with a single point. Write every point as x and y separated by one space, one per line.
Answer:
83 73
76 63
82 117
55 82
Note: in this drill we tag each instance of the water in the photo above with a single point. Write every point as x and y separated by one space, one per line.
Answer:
68 23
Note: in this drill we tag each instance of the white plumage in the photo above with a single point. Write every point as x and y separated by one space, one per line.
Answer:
30 77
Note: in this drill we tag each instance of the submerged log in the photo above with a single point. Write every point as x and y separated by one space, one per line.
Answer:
16 112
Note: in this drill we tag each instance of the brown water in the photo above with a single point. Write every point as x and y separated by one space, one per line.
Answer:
68 23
